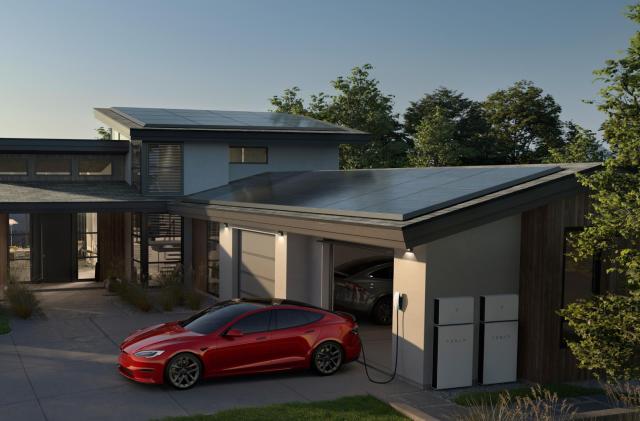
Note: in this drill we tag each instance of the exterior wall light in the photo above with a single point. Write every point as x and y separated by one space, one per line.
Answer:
281 234
409 249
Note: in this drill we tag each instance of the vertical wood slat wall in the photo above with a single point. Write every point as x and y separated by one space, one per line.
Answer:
199 253
111 245
4 252
540 356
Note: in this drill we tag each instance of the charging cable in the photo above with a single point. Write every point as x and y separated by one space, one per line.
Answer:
395 365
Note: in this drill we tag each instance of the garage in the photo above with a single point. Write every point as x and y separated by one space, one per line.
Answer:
256 275
363 286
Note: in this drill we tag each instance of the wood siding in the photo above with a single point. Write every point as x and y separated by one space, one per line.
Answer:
199 253
112 239
4 252
541 357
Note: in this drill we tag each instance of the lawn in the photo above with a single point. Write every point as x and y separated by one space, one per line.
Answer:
563 390
4 322
344 409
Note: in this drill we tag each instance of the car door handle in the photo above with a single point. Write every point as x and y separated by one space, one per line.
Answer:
261 338
310 331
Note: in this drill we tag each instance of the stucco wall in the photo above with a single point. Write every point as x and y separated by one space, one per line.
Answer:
289 158
479 261
205 166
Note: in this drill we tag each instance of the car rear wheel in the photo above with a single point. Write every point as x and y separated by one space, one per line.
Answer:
381 312
183 371
327 358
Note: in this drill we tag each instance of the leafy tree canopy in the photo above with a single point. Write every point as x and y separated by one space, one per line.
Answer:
360 104
448 129
524 123
579 145
103 133
608 327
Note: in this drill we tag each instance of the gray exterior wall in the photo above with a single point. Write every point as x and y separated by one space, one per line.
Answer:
479 261
205 166
289 158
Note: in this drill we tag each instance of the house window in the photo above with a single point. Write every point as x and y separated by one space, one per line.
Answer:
580 280
157 246
19 247
53 166
94 167
87 245
213 258
246 155
164 169
13 166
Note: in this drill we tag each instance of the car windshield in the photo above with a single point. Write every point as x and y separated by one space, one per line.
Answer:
215 317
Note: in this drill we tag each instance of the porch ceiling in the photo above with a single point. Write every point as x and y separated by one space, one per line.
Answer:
75 197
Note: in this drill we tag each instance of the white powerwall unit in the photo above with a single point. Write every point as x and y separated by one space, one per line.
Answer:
453 342
498 359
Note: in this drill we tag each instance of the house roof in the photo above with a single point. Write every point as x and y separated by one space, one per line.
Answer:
165 124
396 208
75 197
92 146
394 194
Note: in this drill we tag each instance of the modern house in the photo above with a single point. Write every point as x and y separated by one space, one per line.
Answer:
253 204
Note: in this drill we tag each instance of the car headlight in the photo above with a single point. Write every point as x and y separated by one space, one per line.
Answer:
148 354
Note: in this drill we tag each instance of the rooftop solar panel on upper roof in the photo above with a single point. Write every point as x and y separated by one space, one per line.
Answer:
393 194
183 118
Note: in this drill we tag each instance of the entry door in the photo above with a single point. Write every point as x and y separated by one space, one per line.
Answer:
56 247
257 265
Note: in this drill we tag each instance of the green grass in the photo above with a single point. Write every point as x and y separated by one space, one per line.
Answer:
563 390
4 322
344 409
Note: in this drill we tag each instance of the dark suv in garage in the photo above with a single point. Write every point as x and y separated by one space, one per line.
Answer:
366 286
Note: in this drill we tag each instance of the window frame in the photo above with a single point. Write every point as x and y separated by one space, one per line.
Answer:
23 160
596 281
39 173
109 165
243 162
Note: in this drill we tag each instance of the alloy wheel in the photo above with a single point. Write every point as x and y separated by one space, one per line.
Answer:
184 371
328 358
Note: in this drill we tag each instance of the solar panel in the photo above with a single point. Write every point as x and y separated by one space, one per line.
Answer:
183 118
394 194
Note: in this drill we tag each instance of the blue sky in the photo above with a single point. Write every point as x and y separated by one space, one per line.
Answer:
59 59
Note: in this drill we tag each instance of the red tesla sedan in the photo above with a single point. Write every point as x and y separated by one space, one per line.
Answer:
240 337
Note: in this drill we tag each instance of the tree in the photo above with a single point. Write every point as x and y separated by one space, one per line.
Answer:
579 145
359 104
524 122
608 327
450 127
103 133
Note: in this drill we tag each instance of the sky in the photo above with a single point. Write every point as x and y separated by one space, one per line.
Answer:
60 59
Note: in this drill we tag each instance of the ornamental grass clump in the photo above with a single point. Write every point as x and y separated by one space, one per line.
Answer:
22 301
135 294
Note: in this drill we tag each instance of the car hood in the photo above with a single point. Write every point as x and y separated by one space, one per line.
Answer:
157 336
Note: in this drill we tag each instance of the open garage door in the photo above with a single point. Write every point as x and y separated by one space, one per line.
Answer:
257 265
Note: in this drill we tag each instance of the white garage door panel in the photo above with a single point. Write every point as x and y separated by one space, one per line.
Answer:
257 265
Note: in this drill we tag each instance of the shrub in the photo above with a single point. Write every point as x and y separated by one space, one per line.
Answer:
193 299
135 295
22 301
539 405
623 394
4 322
171 294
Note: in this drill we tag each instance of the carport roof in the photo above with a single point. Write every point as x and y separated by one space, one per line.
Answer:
389 207
75 197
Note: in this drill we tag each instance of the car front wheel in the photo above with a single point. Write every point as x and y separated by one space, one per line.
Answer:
183 371
327 358
382 311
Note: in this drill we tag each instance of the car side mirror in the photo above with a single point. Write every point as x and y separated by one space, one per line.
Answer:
234 333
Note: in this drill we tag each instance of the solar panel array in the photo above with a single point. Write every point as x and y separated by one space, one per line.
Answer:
394 194
178 118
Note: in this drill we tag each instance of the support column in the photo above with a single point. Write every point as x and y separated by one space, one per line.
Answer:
409 278
4 252
301 271
111 245
228 246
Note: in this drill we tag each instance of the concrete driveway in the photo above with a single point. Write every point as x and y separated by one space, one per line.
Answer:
63 367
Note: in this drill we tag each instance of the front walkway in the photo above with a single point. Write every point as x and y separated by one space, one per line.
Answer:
63 367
